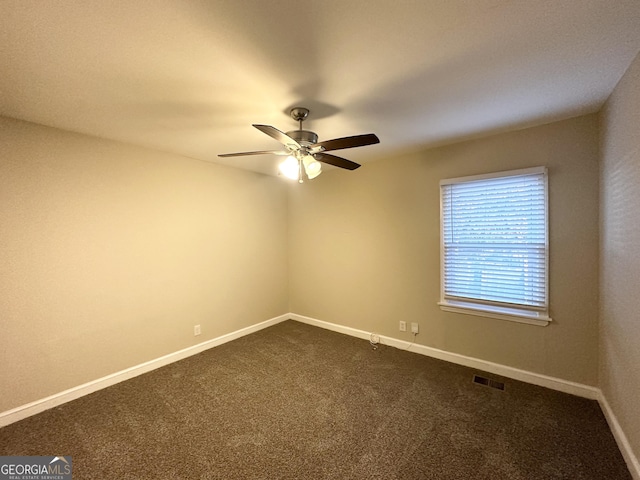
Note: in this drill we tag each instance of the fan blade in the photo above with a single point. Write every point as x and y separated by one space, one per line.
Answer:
336 161
347 142
282 137
262 152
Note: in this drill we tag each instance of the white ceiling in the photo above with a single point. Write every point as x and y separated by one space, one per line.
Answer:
190 77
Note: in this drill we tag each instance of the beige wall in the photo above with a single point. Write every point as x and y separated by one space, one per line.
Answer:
110 254
620 254
365 249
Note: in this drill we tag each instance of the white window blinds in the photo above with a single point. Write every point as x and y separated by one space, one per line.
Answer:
494 240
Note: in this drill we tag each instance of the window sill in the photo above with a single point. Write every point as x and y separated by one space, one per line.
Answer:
512 315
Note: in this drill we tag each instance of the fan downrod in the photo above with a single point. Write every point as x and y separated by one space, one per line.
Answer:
304 137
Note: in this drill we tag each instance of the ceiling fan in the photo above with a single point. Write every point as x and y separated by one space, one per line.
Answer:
303 151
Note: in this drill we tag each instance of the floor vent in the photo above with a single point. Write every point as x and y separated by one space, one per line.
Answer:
488 382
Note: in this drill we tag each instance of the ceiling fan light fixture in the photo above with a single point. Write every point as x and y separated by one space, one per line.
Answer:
305 154
293 168
289 168
312 167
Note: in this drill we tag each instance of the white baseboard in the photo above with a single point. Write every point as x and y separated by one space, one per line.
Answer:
559 384
24 411
621 438
553 383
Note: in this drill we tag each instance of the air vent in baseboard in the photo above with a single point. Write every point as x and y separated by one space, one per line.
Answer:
488 382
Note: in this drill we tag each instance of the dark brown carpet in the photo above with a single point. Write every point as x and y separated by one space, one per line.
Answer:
299 402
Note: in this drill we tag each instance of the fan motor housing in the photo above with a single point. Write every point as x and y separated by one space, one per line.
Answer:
304 137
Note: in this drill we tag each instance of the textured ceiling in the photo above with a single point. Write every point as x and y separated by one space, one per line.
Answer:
190 77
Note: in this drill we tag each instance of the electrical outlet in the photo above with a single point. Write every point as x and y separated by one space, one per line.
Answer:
196 330
414 327
403 326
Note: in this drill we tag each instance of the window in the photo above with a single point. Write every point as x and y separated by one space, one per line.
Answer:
495 245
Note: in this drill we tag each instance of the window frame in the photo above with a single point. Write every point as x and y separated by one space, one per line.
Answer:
478 307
